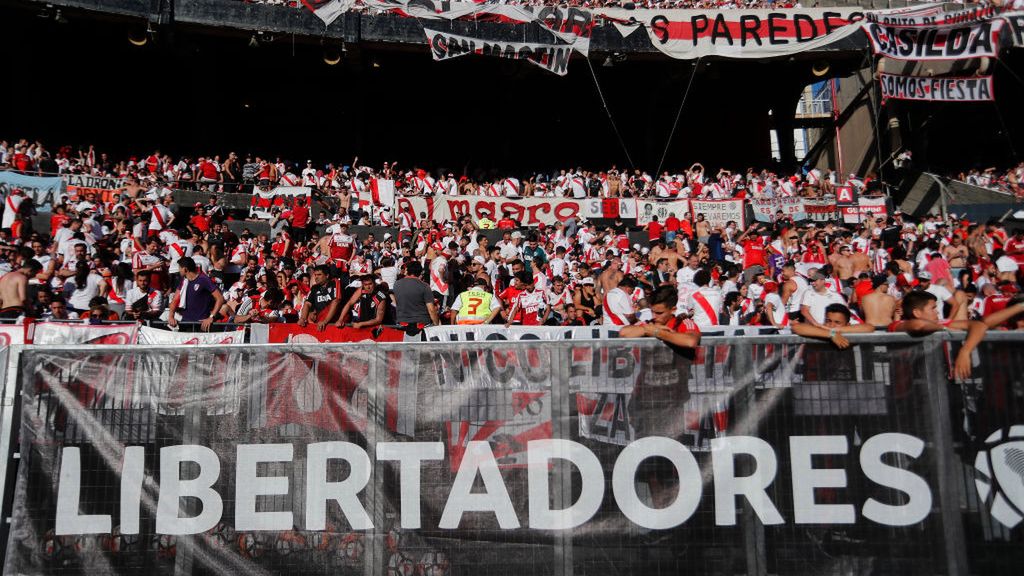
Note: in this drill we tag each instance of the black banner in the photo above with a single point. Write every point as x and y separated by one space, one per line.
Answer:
577 457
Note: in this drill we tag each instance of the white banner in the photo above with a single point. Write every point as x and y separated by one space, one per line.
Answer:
551 57
86 181
649 207
80 333
974 89
932 17
875 207
263 202
158 337
766 209
976 40
526 211
719 212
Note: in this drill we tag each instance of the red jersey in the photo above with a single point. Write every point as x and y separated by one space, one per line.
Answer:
300 216
527 307
672 224
753 253
342 247
654 230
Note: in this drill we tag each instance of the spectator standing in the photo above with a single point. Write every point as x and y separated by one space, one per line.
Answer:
198 298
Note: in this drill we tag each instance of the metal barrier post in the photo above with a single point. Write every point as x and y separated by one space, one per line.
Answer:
191 433
945 462
560 429
753 530
373 558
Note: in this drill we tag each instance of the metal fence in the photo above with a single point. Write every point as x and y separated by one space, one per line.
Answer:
753 455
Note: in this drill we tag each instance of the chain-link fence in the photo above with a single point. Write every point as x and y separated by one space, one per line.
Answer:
753 455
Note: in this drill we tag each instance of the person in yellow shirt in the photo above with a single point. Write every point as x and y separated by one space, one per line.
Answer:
476 305
486 223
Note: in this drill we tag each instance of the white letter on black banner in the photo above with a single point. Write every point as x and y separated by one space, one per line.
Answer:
806 478
728 486
538 454
69 493
248 485
409 456
905 481
478 458
173 489
319 490
624 483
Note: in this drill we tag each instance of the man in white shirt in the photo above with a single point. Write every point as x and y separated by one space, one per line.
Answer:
941 293
618 306
816 299
704 303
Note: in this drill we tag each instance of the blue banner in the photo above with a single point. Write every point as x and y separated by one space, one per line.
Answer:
41 190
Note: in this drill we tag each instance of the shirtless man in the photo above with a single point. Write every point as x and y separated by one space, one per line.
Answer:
671 254
610 278
861 263
878 306
703 229
14 287
843 264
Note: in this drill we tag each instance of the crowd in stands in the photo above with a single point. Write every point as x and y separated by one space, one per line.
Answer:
1010 181
139 255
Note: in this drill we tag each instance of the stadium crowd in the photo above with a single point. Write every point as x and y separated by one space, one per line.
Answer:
137 255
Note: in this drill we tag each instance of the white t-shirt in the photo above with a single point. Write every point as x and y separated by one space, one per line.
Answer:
1006 264
81 295
705 316
817 303
438 274
778 308
942 294
685 274
617 307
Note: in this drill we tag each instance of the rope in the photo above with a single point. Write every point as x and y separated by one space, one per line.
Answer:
679 114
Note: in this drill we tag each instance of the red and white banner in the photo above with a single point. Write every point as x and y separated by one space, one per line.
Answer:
508 424
820 210
972 89
977 40
873 207
382 192
719 212
1015 28
263 202
166 379
326 390
309 334
12 335
689 34
73 333
526 211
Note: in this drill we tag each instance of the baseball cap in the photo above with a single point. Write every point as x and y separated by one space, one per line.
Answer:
818 276
479 260
924 275
588 281
387 235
